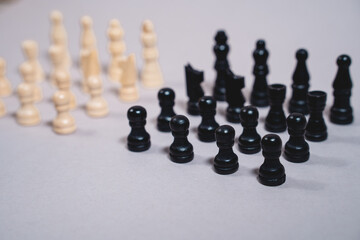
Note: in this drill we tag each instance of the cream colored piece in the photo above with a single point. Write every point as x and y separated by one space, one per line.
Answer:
27 114
97 106
30 49
116 49
5 86
90 66
57 60
2 108
151 75
64 123
128 91
88 39
63 82
27 73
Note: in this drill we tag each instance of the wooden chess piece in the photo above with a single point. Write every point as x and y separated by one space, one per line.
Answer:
57 61
27 114
63 82
97 106
27 73
2 108
151 75
64 123
5 86
128 91
30 49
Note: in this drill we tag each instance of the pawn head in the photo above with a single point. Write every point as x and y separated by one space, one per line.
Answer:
343 61
86 21
260 44
296 121
30 48
61 98
56 16
301 54
271 143
136 113
114 23
25 90
207 102
221 37
179 123
166 94
26 71
148 26
249 114
94 82
225 134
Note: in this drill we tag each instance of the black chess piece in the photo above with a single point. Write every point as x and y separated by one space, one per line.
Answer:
276 120
259 94
271 172
138 139
221 50
208 125
249 140
194 78
181 150
166 98
296 149
341 112
234 96
300 86
226 161
316 130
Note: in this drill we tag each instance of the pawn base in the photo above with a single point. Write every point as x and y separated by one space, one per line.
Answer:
193 108
341 116
272 182
249 149
275 128
182 159
163 127
315 137
296 158
226 170
207 137
139 147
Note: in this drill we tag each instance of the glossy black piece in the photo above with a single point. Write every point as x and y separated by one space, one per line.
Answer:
296 148
300 86
138 139
276 120
259 94
316 130
226 161
194 91
221 50
208 125
271 172
249 140
234 96
341 112
181 150
166 98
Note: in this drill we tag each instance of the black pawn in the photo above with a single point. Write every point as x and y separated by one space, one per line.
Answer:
221 50
341 112
296 149
276 120
249 140
138 139
226 161
271 172
181 150
259 94
300 86
234 96
194 78
208 125
166 98
316 130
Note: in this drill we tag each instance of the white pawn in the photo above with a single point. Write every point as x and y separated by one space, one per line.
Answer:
5 86
2 108
27 73
128 91
116 49
151 75
27 114
97 106
64 123
63 82
30 49
57 61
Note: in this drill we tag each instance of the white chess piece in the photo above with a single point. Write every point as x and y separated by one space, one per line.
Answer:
63 82
128 90
97 106
27 114
30 49
57 61
27 73
2 108
64 123
5 86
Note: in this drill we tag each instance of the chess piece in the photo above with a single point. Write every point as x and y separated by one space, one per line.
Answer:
151 75
194 90
296 149
30 49
2 108
249 140
316 130
341 112
300 86
138 139
116 49
88 40
276 120
62 79
128 91
27 114
234 96
221 50
57 61
97 106
271 172
64 123
208 125
181 150
259 94
226 161
27 73
166 98
5 86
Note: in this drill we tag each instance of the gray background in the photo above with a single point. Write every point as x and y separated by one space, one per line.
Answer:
89 186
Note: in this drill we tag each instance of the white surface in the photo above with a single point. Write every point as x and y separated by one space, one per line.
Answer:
89 186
